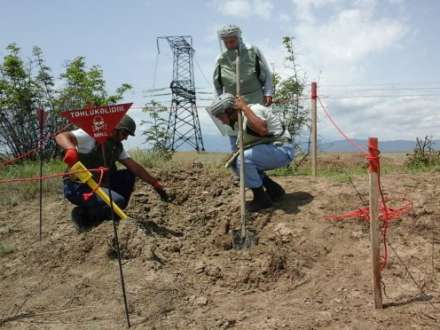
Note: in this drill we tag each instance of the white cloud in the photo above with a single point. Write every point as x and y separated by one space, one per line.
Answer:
336 36
304 8
284 18
236 8
389 118
397 2
335 42
245 8
351 35
263 8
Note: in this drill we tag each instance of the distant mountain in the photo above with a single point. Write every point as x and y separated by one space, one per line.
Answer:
216 143
212 143
219 143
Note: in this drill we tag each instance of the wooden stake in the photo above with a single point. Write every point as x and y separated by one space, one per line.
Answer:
241 146
373 171
314 135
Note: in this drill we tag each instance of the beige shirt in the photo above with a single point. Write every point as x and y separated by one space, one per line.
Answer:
273 122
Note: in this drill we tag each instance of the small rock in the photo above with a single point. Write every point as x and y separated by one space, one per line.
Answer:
201 301
213 271
199 267
197 164
227 324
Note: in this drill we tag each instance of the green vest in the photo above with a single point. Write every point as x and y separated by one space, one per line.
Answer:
94 158
250 138
250 85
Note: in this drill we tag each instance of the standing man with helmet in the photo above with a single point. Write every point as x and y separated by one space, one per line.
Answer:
90 210
255 76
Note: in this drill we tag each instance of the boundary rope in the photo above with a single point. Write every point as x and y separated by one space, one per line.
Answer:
386 214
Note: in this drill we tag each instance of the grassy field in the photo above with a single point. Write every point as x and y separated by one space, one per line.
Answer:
337 166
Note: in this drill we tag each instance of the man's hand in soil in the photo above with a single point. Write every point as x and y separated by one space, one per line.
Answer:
161 192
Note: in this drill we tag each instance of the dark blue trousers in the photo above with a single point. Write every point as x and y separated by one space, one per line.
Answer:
121 184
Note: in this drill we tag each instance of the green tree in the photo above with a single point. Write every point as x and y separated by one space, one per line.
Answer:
46 95
86 86
21 86
288 92
424 154
157 133
26 85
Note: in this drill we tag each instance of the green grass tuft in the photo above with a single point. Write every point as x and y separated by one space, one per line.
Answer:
13 193
6 249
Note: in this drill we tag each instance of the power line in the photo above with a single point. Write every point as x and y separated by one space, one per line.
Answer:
201 71
156 64
348 85
391 89
334 97
155 89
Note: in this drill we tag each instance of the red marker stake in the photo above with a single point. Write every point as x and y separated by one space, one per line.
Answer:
373 171
314 128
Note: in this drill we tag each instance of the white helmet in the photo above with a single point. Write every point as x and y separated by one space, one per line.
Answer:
221 104
229 31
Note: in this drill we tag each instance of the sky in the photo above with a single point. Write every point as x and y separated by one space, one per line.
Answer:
375 61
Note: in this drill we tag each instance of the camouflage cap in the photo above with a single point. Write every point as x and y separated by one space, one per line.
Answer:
127 124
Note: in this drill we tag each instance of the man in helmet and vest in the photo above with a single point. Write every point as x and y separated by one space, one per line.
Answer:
267 145
255 75
90 210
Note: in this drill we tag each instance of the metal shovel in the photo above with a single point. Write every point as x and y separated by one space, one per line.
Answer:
242 238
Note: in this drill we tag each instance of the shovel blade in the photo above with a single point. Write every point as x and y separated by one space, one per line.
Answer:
247 241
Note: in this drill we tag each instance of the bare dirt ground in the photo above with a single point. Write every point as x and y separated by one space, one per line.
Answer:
181 273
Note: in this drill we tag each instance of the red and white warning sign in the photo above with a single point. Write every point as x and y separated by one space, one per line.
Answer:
98 121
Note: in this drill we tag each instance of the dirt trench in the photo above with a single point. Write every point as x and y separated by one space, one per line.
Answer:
182 273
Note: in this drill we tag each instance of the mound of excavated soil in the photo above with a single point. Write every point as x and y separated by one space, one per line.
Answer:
181 271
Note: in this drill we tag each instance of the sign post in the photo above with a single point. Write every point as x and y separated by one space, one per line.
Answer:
41 117
99 122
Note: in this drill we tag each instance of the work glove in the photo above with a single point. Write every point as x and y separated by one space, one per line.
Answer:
71 157
161 192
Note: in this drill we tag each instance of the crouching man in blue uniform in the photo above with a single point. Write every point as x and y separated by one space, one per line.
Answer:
267 145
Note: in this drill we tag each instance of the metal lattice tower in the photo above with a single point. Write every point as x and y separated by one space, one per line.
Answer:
183 119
